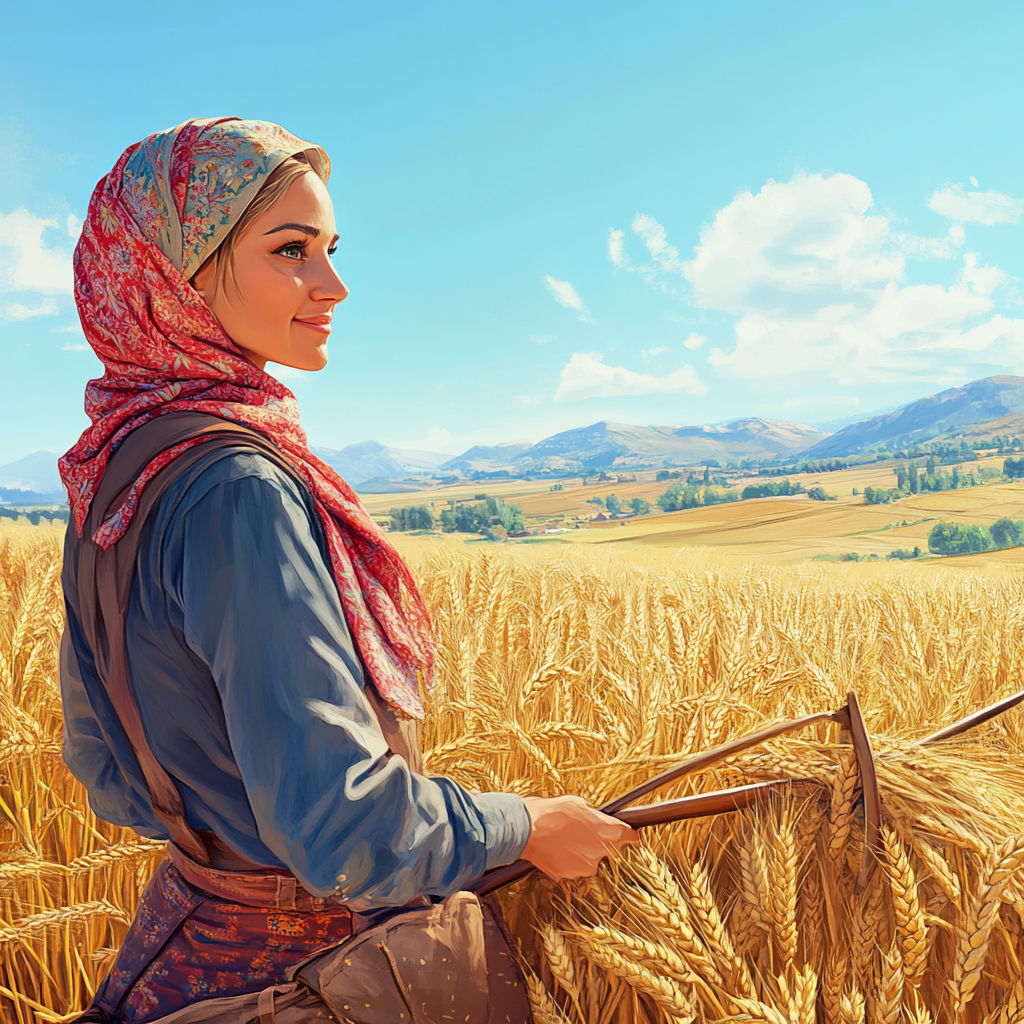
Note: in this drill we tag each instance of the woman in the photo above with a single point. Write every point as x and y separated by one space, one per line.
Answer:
272 634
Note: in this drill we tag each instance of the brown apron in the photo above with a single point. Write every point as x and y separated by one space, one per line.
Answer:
420 965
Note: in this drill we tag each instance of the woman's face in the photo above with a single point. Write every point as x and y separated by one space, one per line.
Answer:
277 305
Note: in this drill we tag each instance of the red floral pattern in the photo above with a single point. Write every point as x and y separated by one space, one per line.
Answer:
164 351
184 945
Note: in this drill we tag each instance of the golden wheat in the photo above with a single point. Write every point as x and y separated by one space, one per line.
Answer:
586 674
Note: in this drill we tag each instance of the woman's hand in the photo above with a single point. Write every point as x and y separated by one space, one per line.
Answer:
569 839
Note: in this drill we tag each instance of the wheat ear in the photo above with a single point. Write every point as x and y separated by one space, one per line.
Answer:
1002 863
782 868
910 922
851 1007
840 818
545 1009
603 946
889 994
705 909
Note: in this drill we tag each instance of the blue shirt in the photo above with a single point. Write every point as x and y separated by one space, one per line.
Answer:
251 695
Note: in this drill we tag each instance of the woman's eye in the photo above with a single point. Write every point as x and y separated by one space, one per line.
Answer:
333 249
293 250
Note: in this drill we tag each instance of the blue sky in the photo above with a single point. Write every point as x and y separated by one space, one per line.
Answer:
553 214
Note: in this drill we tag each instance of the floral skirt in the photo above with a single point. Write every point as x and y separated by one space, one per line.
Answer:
185 945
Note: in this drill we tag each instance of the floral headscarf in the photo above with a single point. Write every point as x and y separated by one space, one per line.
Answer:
164 208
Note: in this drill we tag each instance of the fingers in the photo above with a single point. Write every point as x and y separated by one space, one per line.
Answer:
569 838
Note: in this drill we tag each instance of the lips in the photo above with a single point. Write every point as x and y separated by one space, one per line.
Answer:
321 322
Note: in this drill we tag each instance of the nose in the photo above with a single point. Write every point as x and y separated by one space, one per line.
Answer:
328 285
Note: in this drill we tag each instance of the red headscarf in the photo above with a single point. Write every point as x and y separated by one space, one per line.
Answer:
166 205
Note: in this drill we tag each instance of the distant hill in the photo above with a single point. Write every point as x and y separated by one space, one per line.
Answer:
33 480
991 398
486 457
369 460
622 444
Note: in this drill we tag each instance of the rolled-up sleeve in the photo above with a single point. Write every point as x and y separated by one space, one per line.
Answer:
260 607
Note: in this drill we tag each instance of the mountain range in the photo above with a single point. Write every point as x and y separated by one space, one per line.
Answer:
626 446
991 398
369 460
997 402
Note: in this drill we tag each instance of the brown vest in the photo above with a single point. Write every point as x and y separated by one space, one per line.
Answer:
104 580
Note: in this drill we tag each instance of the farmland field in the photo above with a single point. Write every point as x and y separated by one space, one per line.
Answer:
586 668
785 530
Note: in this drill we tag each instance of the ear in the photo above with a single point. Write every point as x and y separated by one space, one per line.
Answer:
204 280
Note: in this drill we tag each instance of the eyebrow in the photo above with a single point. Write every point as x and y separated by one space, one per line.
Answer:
306 229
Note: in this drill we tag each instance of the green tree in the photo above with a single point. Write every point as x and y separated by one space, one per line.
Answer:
912 478
1007 533
719 496
771 489
466 519
414 517
881 496
819 494
613 504
680 496
1014 468
958 539
640 506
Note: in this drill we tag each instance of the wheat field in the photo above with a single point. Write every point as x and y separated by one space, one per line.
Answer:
586 672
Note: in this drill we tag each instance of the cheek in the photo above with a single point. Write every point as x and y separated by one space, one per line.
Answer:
271 295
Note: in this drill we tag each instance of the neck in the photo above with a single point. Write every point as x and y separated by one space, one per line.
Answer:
253 357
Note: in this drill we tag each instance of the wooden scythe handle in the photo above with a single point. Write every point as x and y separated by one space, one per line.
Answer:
689 807
719 802
978 718
720 753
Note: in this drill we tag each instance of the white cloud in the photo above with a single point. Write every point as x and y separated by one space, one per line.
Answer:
586 376
529 399
26 264
694 341
652 353
973 180
17 311
565 295
74 226
615 253
69 329
981 207
921 247
543 339
74 348
795 246
815 280
663 256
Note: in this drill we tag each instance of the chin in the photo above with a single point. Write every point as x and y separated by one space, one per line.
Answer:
316 362
308 361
